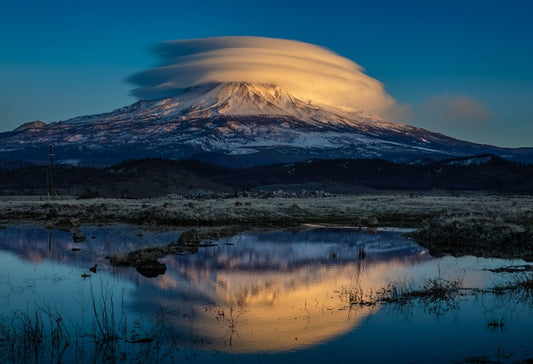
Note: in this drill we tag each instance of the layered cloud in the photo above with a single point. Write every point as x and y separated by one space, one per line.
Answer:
307 71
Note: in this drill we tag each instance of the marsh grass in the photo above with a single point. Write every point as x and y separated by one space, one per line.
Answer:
496 324
434 289
31 336
103 334
519 286
436 295
355 295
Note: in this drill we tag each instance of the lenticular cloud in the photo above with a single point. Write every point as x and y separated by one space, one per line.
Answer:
307 71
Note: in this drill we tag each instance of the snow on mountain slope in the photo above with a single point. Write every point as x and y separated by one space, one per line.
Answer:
233 123
211 100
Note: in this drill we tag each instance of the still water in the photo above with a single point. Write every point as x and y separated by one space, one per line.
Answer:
253 297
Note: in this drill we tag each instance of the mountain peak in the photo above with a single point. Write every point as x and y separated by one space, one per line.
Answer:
249 99
237 98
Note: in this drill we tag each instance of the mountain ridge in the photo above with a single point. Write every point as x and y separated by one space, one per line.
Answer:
235 124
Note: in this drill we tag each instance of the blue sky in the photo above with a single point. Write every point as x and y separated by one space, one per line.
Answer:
463 67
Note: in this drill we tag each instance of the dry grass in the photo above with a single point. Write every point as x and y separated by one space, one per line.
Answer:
519 286
389 209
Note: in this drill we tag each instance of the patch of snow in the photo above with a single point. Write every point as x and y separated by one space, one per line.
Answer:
470 161
242 151
72 162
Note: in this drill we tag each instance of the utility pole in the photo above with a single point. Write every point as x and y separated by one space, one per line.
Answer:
50 184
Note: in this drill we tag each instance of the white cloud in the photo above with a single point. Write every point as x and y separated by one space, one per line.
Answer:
307 71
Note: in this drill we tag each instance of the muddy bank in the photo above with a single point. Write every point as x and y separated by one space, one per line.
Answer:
481 237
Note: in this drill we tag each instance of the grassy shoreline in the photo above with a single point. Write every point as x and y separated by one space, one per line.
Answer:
488 225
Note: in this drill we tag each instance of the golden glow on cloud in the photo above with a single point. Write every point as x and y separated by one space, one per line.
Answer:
307 71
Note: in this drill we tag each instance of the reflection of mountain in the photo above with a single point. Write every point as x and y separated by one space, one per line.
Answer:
252 292
286 251
37 243
274 291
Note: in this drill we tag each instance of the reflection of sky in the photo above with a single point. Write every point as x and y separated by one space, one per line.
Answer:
53 286
262 292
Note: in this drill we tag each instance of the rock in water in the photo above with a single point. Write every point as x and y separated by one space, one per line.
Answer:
189 237
150 268
78 237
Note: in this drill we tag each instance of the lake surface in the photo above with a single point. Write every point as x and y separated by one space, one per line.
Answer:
254 297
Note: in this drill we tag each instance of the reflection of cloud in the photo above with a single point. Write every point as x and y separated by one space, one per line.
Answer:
307 71
167 282
275 291
272 310
448 109
35 257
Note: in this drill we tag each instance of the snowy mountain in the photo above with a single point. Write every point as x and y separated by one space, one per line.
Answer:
235 124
